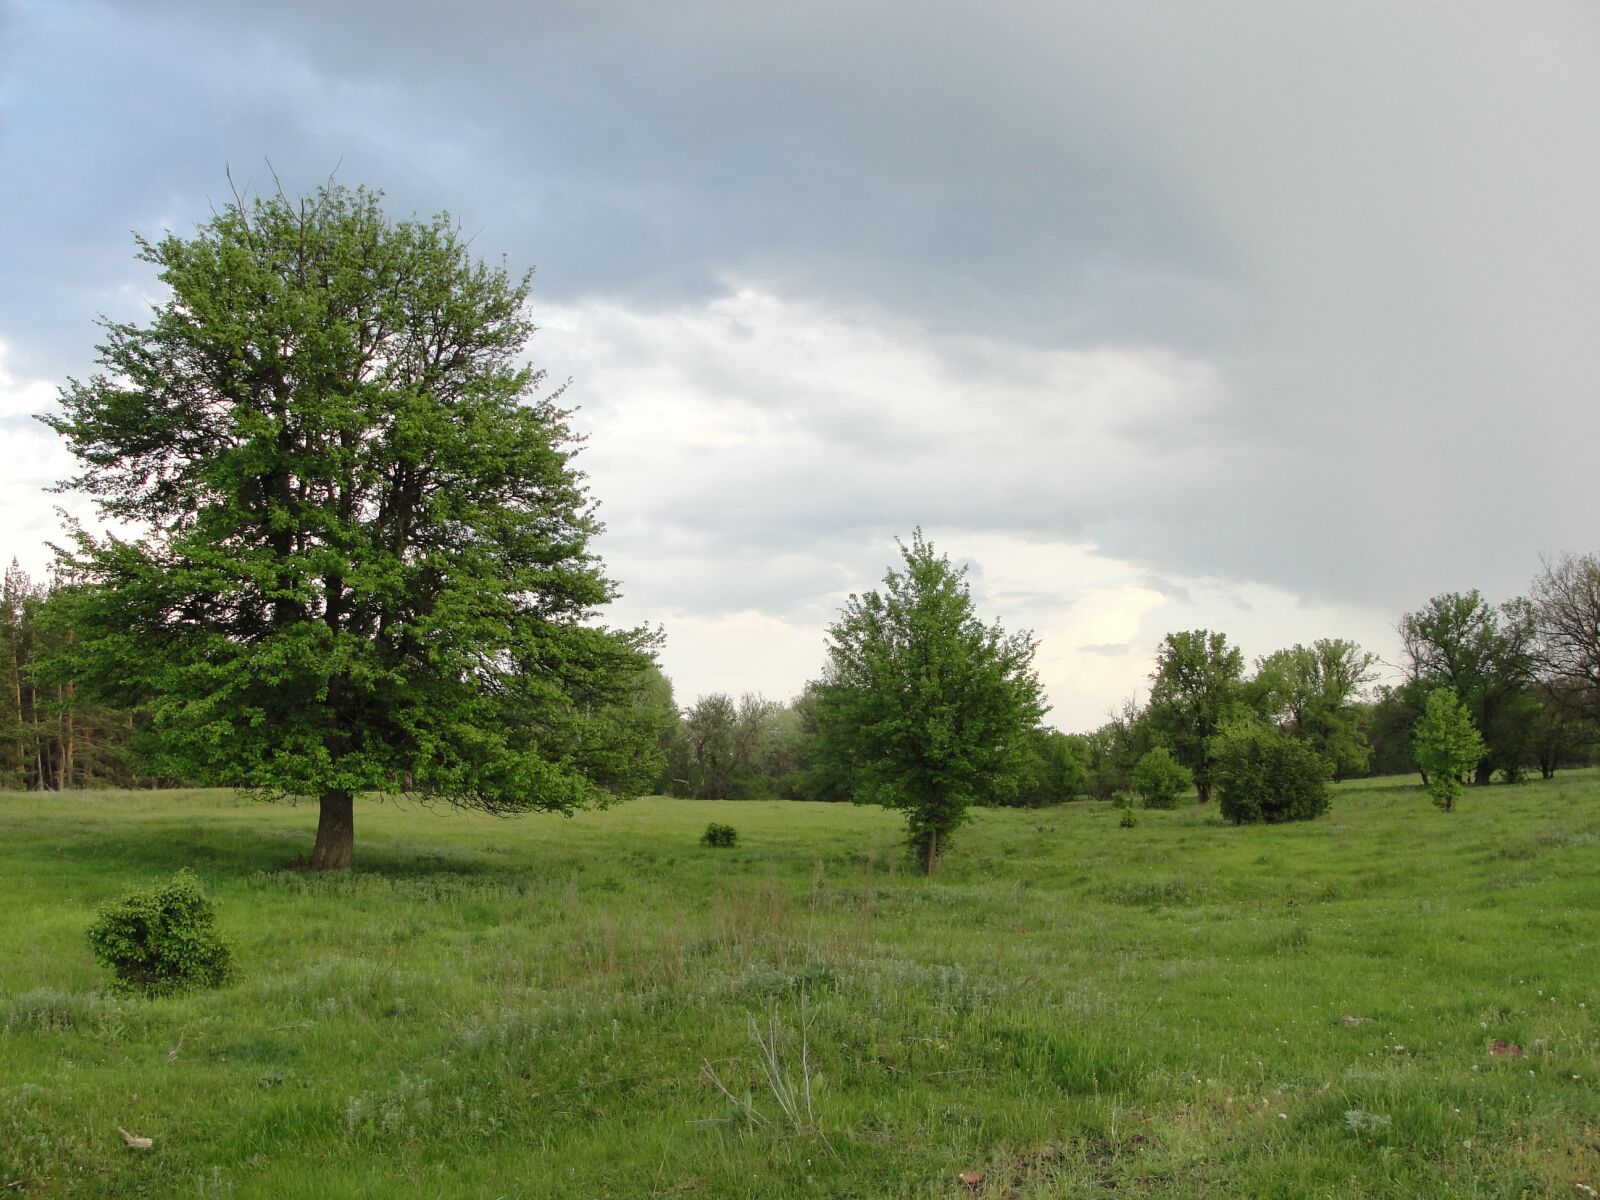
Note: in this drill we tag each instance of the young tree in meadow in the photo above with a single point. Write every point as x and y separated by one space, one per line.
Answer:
1482 653
1447 745
930 708
367 562
1197 686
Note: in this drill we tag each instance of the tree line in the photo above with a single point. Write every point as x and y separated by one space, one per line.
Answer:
1517 670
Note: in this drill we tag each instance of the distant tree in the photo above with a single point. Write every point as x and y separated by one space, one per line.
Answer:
1566 603
1564 732
1314 693
731 749
710 730
1053 773
1197 686
1110 752
1513 739
367 565
1447 745
1264 775
1388 722
1160 779
52 736
1484 654
930 707
817 762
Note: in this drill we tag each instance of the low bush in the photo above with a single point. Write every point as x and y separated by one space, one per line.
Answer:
163 940
1266 776
1161 779
719 835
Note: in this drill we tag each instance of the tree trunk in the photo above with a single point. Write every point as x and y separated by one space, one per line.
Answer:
68 737
930 852
336 832
1484 773
1204 791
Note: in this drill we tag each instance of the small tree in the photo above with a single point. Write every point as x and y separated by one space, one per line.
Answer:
929 707
1447 745
1263 775
1161 779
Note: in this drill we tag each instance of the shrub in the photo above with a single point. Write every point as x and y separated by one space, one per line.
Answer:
1128 819
163 940
720 835
1264 775
1161 779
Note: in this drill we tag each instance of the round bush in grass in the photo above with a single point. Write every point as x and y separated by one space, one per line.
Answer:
1266 776
163 940
720 835
1161 779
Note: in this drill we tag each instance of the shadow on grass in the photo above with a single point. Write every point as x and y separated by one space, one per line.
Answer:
159 850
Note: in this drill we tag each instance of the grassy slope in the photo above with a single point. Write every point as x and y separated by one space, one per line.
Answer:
491 1008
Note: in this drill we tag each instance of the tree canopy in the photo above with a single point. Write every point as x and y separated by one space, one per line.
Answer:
1566 600
929 708
365 563
1197 686
1313 692
1482 653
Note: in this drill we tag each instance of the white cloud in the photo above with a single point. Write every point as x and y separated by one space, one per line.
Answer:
35 459
755 458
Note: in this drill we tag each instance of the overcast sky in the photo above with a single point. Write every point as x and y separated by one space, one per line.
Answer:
1270 318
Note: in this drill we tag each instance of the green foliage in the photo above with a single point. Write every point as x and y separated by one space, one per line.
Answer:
925 706
731 750
52 737
367 562
1484 654
1313 692
1128 820
1447 745
1053 771
1110 752
1263 775
1160 779
719 835
1197 686
163 940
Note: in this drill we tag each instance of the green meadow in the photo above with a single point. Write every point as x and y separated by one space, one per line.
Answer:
1389 1001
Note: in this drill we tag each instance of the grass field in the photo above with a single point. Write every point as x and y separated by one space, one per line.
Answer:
537 1007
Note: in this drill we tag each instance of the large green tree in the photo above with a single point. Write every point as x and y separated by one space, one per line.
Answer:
930 708
366 559
1196 687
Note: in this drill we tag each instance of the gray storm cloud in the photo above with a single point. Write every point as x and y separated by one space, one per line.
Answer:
1367 227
